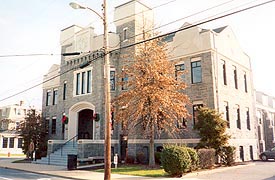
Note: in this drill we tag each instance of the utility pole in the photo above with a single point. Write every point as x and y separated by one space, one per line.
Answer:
107 96
107 152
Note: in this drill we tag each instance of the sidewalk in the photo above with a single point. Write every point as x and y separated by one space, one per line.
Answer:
62 171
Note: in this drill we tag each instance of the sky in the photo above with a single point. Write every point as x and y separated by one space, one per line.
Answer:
33 27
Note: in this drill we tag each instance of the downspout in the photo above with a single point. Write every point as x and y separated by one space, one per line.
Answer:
215 71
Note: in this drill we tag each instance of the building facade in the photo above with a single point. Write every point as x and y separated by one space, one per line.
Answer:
217 73
10 118
265 112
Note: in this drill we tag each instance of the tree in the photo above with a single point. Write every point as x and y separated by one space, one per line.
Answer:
154 99
34 129
211 129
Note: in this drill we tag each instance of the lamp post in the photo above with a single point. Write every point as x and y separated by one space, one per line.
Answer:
107 150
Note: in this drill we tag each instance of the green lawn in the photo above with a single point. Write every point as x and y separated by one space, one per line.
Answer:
137 170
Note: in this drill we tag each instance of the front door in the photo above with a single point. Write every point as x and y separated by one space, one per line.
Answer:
85 124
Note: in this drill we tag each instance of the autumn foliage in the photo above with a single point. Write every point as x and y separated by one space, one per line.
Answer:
154 98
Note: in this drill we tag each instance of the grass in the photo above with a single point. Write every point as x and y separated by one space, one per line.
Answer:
137 170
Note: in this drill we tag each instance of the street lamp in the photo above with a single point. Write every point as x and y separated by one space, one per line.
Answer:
107 152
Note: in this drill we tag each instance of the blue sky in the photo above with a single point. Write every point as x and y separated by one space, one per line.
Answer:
34 26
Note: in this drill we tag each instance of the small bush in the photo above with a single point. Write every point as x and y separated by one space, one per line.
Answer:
227 154
130 159
206 158
141 158
157 157
175 160
194 159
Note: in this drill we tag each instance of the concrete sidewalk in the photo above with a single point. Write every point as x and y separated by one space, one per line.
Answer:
61 171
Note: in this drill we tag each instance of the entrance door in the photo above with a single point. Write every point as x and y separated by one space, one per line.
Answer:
85 124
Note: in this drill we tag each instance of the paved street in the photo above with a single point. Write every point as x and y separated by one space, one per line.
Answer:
10 174
249 171
261 170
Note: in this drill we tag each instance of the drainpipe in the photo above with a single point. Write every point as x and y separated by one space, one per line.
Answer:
215 70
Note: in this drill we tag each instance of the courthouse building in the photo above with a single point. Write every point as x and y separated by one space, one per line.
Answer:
217 73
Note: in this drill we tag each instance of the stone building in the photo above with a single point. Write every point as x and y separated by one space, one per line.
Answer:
217 72
265 112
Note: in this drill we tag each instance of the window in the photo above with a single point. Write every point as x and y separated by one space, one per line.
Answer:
226 113
251 152
248 119
64 90
238 118
11 145
235 77
83 83
77 83
48 98
20 143
181 124
53 125
179 72
112 80
245 82
55 92
224 72
47 121
196 72
5 142
124 82
196 112
89 75
124 35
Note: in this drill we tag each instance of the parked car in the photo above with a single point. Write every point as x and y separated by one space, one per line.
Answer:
270 154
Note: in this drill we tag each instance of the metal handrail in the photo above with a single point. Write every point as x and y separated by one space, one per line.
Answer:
61 147
67 142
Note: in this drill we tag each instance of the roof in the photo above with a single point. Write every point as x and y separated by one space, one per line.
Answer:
218 30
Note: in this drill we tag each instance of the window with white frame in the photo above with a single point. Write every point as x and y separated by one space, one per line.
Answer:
196 71
245 82
238 117
179 72
48 97
248 119
226 113
64 90
124 34
112 80
83 82
235 77
55 94
223 72
5 142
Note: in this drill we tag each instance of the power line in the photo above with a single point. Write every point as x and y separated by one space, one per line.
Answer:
194 14
143 11
140 42
194 25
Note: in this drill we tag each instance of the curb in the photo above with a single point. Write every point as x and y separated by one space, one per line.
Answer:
220 169
54 175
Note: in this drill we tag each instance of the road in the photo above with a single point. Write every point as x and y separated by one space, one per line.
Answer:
10 174
259 171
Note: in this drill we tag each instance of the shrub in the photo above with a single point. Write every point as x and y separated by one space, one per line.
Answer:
206 158
130 159
157 157
227 154
141 158
194 158
175 160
